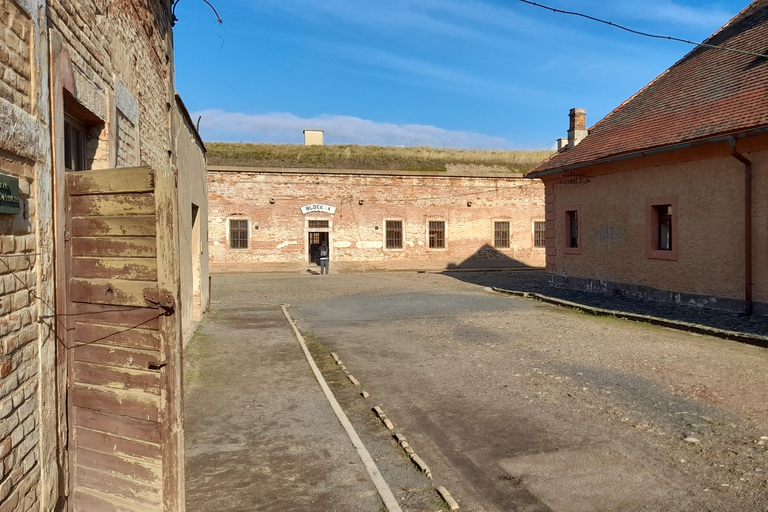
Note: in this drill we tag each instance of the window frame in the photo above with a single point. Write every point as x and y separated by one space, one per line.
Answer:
568 212
652 229
247 233
385 232
429 235
543 232
496 222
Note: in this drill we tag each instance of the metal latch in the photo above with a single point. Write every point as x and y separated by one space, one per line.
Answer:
156 365
161 299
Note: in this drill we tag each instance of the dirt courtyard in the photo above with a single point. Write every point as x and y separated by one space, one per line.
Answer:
519 405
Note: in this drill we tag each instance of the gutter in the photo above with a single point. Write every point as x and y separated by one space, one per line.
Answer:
730 138
747 226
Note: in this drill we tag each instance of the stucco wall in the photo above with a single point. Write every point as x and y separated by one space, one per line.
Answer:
279 232
710 227
193 237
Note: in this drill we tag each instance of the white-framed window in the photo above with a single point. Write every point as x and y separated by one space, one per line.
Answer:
501 234
238 233
436 234
393 234
539 233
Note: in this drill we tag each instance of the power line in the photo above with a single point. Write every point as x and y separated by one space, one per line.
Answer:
646 34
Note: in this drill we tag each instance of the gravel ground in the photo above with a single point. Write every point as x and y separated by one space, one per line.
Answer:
533 281
519 405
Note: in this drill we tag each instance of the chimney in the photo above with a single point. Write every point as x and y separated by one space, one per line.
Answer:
313 137
562 143
578 127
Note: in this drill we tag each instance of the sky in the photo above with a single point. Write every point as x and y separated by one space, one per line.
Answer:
495 74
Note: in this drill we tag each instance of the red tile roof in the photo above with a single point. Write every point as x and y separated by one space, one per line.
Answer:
707 93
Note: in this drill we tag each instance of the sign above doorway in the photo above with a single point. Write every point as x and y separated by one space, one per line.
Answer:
312 208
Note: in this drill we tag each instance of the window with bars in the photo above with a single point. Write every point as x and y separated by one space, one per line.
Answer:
501 234
539 233
313 224
394 234
238 233
437 234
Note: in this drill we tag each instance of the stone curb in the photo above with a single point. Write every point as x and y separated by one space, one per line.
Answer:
418 461
752 339
447 498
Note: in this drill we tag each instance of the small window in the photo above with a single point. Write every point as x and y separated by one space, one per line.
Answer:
661 228
394 234
539 233
74 145
314 224
238 234
664 227
572 230
501 234
437 234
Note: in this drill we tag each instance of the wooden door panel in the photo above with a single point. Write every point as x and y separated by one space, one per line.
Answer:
117 317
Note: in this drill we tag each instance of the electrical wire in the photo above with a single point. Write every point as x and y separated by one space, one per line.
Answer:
646 34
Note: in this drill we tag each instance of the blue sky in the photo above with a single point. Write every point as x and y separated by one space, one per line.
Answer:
454 73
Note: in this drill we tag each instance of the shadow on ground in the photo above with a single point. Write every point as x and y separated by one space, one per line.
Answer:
534 281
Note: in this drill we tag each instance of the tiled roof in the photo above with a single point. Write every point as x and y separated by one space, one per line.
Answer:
708 93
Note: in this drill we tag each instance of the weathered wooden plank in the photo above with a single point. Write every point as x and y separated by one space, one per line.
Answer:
106 181
122 486
117 336
107 443
110 291
133 225
133 428
147 381
132 404
106 314
119 247
136 269
143 471
115 356
110 205
88 500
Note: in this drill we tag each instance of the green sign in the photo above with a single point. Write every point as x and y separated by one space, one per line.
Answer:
10 203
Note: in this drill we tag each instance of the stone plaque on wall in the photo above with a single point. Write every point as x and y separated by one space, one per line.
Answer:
10 203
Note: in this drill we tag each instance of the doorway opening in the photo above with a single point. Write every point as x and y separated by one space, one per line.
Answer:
316 238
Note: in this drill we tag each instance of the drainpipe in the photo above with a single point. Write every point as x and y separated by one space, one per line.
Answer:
747 226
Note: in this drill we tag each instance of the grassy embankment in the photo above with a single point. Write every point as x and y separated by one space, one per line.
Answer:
414 158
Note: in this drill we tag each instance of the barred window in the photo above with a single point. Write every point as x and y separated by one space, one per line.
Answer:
501 234
394 233
318 224
437 234
238 234
539 234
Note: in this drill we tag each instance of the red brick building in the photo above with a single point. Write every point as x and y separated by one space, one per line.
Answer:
667 196
271 219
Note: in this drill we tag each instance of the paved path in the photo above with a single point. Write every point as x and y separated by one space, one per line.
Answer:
259 433
519 405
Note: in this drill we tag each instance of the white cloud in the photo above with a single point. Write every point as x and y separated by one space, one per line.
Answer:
284 127
669 11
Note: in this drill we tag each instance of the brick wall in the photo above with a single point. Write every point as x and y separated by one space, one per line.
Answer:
15 54
278 236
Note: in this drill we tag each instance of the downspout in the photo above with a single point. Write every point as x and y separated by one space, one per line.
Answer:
747 226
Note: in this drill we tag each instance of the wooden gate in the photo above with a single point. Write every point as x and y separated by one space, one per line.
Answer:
122 339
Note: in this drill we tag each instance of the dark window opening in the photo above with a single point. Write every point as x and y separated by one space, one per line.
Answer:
501 234
664 227
315 224
74 145
238 234
436 234
573 228
394 234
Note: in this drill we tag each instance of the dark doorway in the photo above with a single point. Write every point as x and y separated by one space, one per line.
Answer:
315 240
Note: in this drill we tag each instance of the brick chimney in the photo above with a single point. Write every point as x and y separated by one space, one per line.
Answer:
578 127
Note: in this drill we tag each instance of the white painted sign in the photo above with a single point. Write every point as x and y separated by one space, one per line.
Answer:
312 208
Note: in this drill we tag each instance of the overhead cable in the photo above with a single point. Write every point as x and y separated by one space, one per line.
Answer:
646 34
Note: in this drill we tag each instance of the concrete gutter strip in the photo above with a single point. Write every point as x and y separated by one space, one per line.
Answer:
381 486
752 339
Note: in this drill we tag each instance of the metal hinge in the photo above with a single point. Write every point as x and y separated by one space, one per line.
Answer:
161 299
